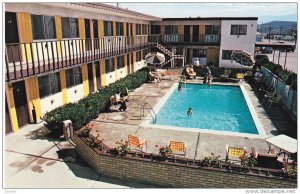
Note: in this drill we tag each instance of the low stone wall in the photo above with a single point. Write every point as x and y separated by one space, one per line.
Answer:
172 175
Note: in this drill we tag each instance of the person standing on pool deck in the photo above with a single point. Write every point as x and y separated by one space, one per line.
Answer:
189 112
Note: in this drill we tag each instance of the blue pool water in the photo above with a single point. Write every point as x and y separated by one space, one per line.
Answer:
221 108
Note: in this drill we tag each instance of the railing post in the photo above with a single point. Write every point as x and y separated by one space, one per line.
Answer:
53 57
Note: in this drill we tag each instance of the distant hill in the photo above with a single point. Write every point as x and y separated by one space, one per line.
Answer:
286 27
269 18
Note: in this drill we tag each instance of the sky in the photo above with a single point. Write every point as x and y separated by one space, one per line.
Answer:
264 11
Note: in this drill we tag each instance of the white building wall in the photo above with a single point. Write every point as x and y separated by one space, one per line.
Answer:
121 73
110 77
49 103
234 42
75 93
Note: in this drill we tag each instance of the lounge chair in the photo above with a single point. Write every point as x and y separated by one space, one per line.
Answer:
226 75
135 144
273 100
129 92
178 148
153 77
232 153
190 72
268 95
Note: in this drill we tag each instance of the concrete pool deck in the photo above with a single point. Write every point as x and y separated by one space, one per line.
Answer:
114 126
29 153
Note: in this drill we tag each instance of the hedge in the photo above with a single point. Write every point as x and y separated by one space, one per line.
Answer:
88 108
288 77
218 71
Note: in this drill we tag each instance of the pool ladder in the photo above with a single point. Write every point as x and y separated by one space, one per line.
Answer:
148 107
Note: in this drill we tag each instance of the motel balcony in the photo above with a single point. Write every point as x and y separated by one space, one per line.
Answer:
41 57
205 40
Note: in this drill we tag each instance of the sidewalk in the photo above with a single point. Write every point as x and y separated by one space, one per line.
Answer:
33 161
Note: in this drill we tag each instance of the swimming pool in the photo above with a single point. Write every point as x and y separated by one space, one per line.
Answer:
216 108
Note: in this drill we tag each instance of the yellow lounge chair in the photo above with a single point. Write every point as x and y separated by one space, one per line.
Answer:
240 76
135 144
178 148
234 153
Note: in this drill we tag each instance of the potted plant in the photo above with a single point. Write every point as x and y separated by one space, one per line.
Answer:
122 148
85 132
98 143
165 151
211 161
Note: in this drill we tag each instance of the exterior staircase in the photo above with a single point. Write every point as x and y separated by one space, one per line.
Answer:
169 55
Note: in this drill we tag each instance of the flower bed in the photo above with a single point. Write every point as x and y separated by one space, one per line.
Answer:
111 162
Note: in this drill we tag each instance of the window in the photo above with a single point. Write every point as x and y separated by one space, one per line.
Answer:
226 54
49 85
238 30
138 29
110 65
120 29
200 53
138 56
212 29
171 29
73 77
120 62
43 27
69 27
155 29
108 28
144 29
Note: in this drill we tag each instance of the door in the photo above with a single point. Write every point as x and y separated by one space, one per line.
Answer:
195 33
11 36
90 77
88 43
186 32
8 128
21 105
96 34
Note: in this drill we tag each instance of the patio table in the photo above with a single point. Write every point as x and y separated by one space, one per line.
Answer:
286 145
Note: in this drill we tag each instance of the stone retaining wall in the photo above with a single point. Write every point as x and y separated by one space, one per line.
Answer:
172 175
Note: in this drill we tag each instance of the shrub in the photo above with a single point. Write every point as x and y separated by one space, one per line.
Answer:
288 77
88 108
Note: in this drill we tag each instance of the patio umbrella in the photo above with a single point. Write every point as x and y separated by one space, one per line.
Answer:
243 57
155 58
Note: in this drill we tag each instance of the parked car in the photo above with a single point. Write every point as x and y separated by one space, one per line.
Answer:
261 59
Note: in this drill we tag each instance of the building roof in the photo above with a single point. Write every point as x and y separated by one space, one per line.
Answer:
209 18
118 10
